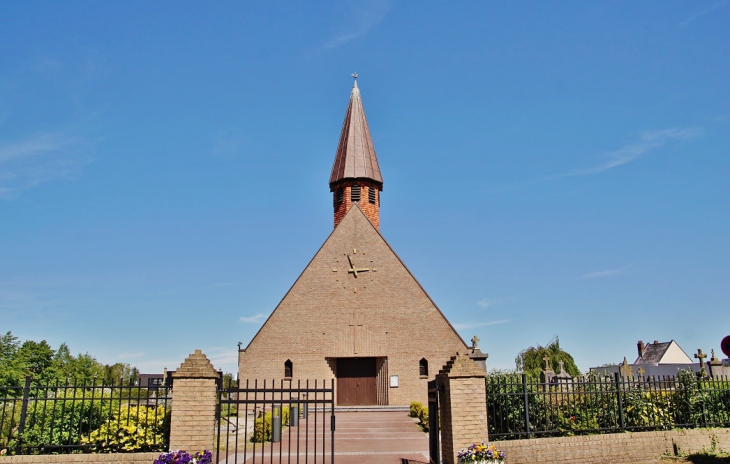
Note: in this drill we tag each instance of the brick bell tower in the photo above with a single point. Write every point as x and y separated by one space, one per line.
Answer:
355 174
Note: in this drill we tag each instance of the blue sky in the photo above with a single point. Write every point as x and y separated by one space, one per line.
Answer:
549 168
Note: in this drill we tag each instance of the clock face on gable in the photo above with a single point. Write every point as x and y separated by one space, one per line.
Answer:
354 269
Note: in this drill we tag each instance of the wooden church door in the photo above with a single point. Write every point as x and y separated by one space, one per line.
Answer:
356 385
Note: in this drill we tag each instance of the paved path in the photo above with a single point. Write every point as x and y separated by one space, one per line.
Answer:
378 438
370 437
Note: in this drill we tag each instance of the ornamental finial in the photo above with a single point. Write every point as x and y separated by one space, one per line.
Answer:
354 75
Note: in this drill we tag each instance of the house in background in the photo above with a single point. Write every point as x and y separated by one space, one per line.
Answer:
151 380
654 359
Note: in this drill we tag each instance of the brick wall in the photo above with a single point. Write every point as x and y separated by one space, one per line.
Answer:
328 314
614 448
193 415
372 211
127 458
192 426
462 409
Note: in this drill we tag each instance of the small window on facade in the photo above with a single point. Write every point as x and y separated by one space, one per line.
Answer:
372 192
288 368
339 195
355 193
423 367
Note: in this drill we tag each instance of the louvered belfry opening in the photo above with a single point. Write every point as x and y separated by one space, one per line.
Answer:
356 165
355 193
372 194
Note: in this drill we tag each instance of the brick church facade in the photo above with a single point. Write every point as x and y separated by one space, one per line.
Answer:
356 314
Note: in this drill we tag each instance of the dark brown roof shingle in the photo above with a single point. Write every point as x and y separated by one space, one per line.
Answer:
355 157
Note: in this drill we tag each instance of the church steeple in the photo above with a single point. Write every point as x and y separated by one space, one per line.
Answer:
355 174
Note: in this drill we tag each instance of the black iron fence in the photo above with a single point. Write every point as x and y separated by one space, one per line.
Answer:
519 407
70 417
282 422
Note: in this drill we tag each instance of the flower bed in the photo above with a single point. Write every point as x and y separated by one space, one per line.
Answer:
480 453
183 457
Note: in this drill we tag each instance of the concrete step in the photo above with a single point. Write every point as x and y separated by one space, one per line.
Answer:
371 409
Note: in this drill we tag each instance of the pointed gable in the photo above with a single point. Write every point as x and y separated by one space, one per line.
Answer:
385 300
355 157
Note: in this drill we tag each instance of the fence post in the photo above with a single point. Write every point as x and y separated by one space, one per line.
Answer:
463 406
433 423
194 396
620 401
527 406
23 412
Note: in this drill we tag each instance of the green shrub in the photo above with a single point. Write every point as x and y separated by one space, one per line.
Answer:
263 425
423 419
63 421
416 408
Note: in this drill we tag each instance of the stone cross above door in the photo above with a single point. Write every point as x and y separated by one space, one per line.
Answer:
355 326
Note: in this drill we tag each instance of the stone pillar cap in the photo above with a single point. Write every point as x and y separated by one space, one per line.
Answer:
196 366
461 365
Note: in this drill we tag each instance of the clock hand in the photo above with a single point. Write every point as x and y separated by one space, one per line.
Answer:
352 266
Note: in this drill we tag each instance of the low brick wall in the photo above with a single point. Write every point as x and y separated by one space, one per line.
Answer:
126 458
614 448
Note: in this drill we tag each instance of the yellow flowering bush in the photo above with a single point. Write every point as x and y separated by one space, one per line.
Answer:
134 428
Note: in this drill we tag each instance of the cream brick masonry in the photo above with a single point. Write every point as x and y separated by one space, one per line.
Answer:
329 313
613 448
462 406
192 427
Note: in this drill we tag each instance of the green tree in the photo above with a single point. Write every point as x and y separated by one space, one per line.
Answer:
11 369
36 359
120 374
229 381
81 369
531 361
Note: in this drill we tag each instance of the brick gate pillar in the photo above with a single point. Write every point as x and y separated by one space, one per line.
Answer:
194 391
462 406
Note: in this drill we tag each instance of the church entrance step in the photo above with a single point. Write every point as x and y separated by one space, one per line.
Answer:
372 408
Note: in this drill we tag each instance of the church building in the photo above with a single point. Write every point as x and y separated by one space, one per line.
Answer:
356 314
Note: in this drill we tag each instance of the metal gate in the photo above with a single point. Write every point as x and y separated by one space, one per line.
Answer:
276 422
433 423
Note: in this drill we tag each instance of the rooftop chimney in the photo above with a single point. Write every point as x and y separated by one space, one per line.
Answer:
640 347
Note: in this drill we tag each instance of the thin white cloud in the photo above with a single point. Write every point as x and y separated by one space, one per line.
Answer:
607 272
696 15
252 319
222 358
366 16
139 354
471 325
156 365
649 140
28 163
490 302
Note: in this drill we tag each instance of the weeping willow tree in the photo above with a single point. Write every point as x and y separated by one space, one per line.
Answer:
532 360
